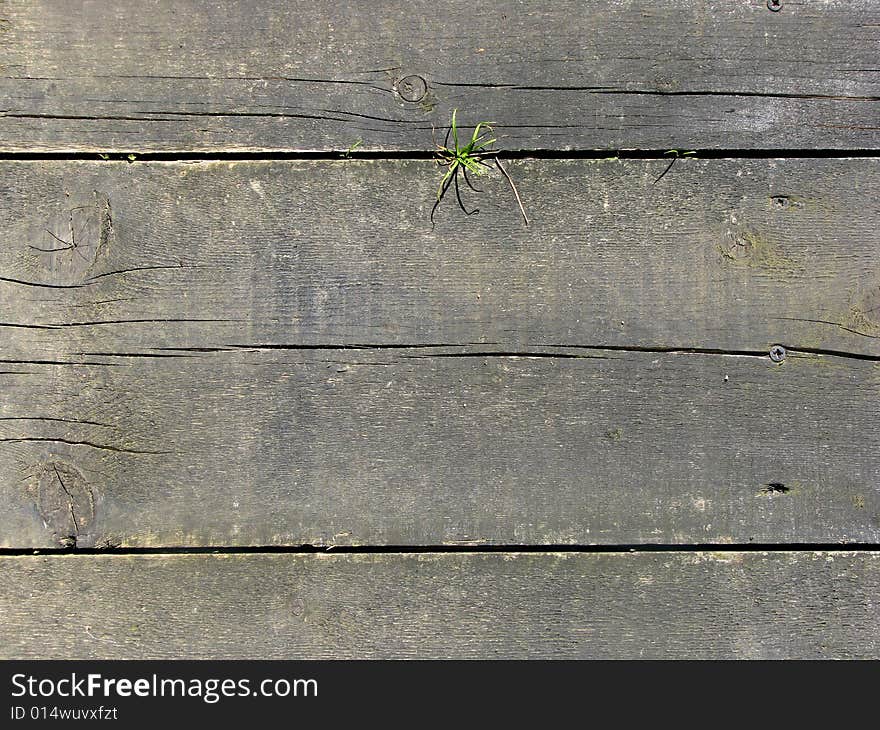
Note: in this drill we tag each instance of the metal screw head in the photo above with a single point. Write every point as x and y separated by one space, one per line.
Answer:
412 88
774 5
777 353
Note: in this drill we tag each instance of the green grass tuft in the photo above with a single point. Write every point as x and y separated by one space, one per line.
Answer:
469 157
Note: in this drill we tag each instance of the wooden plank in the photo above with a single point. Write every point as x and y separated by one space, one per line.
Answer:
615 605
262 353
732 255
426 446
311 75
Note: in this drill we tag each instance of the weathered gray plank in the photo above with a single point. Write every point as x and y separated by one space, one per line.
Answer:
282 75
439 445
720 254
614 605
263 353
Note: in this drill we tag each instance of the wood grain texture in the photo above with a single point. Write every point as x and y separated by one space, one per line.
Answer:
439 446
279 75
263 353
720 254
508 605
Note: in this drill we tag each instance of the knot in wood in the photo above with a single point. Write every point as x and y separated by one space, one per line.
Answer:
412 88
65 502
63 249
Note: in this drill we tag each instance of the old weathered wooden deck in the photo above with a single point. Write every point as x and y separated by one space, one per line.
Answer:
221 330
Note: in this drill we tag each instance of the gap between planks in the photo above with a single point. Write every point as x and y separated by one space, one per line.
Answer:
443 549
275 155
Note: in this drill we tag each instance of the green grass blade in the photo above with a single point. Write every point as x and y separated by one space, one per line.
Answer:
476 133
472 165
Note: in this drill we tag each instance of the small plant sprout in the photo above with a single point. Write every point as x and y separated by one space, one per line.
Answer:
352 147
469 158
675 155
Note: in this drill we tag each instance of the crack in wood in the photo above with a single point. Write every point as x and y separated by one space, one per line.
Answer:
598 90
41 284
521 353
828 322
69 502
154 320
139 268
70 442
56 420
